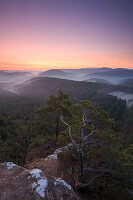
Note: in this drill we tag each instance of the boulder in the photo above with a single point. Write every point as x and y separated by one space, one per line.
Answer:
18 183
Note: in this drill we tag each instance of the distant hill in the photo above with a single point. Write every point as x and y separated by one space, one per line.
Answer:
6 86
13 73
7 75
46 86
71 74
87 70
100 75
1 91
127 82
54 73
98 80
5 92
116 72
115 75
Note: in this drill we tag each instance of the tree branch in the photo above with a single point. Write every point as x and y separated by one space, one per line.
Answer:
99 170
61 118
83 185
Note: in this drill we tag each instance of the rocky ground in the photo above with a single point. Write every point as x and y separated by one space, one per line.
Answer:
18 183
43 177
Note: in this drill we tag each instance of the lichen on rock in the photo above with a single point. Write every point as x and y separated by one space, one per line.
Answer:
42 185
16 184
62 182
10 165
36 173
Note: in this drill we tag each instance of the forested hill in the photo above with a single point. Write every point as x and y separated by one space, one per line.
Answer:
127 82
14 75
53 73
115 73
46 86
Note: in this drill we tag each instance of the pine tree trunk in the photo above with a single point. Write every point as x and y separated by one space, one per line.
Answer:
81 167
57 127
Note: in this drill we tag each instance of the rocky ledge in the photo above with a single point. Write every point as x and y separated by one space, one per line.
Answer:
22 184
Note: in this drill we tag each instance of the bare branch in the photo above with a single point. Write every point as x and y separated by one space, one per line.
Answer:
89 134
99 170
102 173
83 185
84 121
82 131
61 118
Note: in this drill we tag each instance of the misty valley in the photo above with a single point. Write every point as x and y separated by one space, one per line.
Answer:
66 99
101 81
42 114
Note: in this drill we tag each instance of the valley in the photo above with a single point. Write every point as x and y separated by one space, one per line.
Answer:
31 128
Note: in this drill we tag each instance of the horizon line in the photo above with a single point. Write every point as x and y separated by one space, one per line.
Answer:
34 67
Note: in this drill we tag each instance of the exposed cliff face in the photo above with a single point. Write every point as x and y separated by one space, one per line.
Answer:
17 183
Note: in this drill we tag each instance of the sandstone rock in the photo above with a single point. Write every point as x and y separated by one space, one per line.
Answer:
52 166
17 183
48 165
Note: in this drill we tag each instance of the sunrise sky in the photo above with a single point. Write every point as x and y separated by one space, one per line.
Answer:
44 34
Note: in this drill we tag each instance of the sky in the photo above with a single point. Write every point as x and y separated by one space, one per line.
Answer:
45 34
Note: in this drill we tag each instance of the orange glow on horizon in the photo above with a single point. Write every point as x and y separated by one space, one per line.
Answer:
42 35
26 56
39 66
43 68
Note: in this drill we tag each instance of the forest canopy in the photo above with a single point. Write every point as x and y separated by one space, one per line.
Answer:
100 151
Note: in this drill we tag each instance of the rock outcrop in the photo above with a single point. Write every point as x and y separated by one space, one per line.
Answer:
17 183
53 166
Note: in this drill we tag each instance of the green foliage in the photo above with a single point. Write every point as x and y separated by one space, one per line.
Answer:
15 146
104 151
49 114
114 107
102 121
130 138
129 154
20 126
19 107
